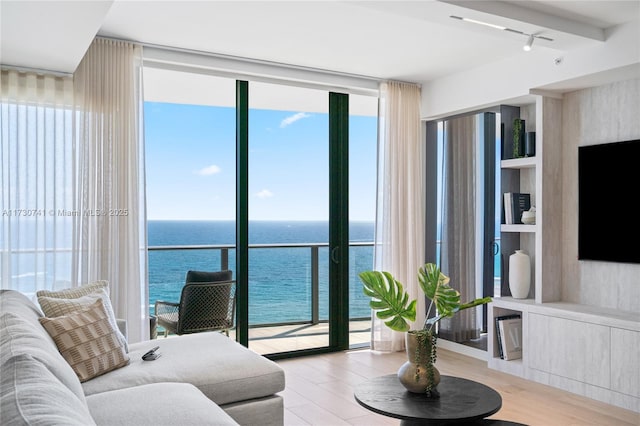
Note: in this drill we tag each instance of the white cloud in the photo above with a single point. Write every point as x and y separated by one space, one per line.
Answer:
293 118
207 171
265 193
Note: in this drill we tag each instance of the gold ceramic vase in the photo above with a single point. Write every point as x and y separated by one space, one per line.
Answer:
418 374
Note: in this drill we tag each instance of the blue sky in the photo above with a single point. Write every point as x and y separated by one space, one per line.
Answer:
190 162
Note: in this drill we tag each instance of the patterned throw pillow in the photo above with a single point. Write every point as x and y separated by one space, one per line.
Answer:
87 341
63 302
74 293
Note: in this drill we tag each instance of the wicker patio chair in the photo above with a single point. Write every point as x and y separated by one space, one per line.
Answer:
207 303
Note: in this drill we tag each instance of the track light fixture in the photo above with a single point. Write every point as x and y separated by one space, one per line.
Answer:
530 37
527 46
475 21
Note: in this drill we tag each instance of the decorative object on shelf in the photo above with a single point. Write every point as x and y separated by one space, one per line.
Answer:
530 145
518 137
529 216
391 303
519 274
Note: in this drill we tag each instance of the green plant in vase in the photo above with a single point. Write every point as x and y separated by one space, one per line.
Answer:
391 302
518 143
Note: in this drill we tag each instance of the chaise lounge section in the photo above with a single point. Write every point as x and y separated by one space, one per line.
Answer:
203 378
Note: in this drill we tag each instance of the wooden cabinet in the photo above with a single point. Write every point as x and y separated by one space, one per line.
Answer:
625 361
573 349
582 349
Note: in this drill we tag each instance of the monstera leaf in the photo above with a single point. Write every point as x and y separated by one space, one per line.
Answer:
391 301
388 299
435 285
446 299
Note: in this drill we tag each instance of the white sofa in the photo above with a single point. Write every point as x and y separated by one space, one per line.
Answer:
200 379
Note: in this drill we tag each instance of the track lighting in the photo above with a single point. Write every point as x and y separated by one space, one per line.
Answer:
527 46
475 21
530 37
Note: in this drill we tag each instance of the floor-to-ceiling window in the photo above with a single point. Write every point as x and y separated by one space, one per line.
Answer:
191 143
466 166
363 141
189 123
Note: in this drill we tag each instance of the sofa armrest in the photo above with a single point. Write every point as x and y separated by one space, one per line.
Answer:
122 325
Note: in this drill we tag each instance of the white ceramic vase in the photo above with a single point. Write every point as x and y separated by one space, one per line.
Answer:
519 274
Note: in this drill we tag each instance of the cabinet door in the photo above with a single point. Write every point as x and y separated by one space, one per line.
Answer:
571 349
625 369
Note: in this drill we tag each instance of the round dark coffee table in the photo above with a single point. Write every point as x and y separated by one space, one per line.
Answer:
461 401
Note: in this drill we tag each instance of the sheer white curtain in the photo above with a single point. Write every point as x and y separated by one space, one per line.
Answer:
458 250
37 162
111 236
399 235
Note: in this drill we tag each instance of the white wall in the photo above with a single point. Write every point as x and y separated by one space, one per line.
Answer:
597 115
514 77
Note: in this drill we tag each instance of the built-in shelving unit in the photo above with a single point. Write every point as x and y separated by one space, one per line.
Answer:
517 175
517 228
519 163
588 350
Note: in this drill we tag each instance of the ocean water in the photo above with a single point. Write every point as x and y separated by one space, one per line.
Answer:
279 277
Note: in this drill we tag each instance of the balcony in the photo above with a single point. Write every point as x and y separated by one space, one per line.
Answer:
288 289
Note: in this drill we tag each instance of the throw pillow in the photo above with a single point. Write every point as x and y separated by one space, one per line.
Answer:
74 293
87 341
59 303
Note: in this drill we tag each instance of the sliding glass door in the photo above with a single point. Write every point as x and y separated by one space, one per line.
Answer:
363 142
288 191
256 177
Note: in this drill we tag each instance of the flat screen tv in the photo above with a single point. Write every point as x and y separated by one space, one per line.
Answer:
608 194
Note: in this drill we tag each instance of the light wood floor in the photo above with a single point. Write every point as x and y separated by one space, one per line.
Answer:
319 391
286 338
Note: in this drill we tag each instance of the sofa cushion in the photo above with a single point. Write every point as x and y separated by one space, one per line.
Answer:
88 341
63 302
31 395
20 336
221 368
156 405
21 306
267 411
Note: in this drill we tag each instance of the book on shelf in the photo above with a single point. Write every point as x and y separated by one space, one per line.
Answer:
511 338
515 203
508 217
520 202
498 321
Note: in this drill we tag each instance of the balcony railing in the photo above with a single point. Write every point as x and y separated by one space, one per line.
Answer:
313 265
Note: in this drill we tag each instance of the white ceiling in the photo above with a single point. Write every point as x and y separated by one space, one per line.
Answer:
404 40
